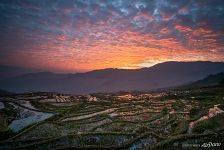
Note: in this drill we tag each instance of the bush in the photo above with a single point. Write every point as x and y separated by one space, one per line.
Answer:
204 125
194 111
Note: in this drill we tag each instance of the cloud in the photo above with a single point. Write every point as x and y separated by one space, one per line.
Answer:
109 33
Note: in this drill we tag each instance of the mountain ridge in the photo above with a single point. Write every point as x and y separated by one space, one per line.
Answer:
162 75
210 80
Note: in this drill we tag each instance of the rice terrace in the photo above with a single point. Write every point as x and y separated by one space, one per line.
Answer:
111 74
123 120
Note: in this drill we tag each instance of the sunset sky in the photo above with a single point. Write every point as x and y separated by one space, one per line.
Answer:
83 35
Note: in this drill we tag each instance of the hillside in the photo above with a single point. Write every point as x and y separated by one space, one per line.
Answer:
210 80
3 92
167 74
13 71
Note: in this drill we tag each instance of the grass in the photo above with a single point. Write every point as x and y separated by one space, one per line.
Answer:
6 116
181 127
210 124
204 125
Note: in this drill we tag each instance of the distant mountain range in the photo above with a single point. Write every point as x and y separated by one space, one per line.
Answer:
3 92
167 74
12 71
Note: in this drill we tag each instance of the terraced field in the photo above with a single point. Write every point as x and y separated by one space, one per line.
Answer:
153 120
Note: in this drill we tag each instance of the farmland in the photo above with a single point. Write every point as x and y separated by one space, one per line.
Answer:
124 120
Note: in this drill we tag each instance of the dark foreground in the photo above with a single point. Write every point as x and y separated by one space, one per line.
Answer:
178 119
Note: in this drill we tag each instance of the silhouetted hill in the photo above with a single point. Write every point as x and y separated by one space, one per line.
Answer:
210 80
168 74
3 92
11 71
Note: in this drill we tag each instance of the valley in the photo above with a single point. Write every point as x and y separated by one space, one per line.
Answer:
123 120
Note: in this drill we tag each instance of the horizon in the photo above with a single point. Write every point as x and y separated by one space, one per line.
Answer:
81 36
38 70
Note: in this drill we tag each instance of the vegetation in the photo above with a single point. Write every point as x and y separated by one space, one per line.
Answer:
204 125
195 111
155 120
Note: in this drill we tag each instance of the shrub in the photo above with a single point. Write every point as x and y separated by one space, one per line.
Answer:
194 111
204 125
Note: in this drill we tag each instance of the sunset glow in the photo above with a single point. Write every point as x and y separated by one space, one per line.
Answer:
84 35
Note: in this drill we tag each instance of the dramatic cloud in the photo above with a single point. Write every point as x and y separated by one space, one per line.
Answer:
67 35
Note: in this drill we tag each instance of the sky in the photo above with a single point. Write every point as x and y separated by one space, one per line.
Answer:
84 35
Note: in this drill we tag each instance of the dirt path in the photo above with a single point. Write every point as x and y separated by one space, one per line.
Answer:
90 115
212 113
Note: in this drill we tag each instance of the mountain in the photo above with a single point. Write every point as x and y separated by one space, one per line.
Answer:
210 80
167 74
3 92
12 71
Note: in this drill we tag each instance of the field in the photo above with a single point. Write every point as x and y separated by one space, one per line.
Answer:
171 119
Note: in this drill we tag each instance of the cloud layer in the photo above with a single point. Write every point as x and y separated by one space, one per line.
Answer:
92 34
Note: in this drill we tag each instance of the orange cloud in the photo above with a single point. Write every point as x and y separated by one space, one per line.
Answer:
103 45
182 28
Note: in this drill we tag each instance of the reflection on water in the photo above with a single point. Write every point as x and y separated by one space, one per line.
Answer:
27 117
